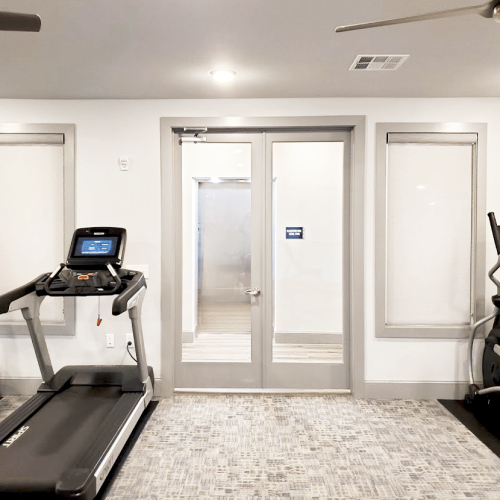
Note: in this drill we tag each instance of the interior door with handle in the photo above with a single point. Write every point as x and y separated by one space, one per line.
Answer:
308 260
265 261
222 211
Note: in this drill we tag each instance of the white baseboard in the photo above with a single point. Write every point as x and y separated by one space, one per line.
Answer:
262 391
157 388
307 338
415 390
19 386
373 390
29 386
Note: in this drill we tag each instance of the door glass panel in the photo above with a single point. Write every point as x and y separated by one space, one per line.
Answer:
307 251
216 204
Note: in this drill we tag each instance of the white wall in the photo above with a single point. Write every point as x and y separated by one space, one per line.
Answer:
106 130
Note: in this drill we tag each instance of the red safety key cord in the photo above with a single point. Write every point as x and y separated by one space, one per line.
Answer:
99 320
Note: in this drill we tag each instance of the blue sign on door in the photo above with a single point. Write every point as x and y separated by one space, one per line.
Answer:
294 233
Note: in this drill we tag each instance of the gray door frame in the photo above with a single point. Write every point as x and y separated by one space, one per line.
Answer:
172 231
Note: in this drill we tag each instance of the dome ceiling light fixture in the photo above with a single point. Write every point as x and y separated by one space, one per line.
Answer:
223 75
489 10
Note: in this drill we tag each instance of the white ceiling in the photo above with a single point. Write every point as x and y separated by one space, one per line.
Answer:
149 49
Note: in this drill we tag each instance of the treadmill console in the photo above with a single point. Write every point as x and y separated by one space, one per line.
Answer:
93 267
95 247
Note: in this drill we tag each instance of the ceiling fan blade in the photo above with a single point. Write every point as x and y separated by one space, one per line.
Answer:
483 10
11 21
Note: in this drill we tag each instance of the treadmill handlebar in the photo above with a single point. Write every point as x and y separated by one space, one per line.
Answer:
120 304
129 283
51 278
7 298
71 290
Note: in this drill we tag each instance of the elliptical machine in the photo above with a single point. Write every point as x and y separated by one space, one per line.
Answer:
491 353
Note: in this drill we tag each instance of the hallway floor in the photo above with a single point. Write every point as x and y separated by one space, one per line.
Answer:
224 336
236 347
302 447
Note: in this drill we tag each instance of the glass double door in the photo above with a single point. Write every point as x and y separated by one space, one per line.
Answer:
265 261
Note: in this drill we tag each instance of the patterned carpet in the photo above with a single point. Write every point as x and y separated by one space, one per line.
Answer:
302 448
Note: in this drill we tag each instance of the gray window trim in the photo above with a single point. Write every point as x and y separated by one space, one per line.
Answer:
170 182
442 133
49 134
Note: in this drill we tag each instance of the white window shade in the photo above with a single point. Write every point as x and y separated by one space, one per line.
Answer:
31 193
429 231
37 206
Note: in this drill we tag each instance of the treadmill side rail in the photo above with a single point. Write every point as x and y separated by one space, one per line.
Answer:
86 476
115 450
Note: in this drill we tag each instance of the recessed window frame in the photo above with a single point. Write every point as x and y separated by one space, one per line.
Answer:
49 134
444 133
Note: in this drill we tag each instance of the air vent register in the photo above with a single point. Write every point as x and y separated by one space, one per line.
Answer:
378 62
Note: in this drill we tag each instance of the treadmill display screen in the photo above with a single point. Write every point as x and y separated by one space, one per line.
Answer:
96 247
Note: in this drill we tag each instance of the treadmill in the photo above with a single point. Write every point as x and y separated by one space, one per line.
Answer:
63 442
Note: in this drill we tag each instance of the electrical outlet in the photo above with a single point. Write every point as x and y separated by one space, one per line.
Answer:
110 340
129 337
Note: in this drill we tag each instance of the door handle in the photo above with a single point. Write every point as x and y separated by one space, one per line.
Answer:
253 291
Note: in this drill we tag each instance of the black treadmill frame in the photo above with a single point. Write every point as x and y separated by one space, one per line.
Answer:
87 473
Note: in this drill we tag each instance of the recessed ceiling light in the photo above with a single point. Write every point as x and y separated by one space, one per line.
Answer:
223 75
239 164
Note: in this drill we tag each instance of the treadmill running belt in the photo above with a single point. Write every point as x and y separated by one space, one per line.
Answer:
53 438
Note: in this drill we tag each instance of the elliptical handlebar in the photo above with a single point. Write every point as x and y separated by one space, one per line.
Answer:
491 273
495 230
